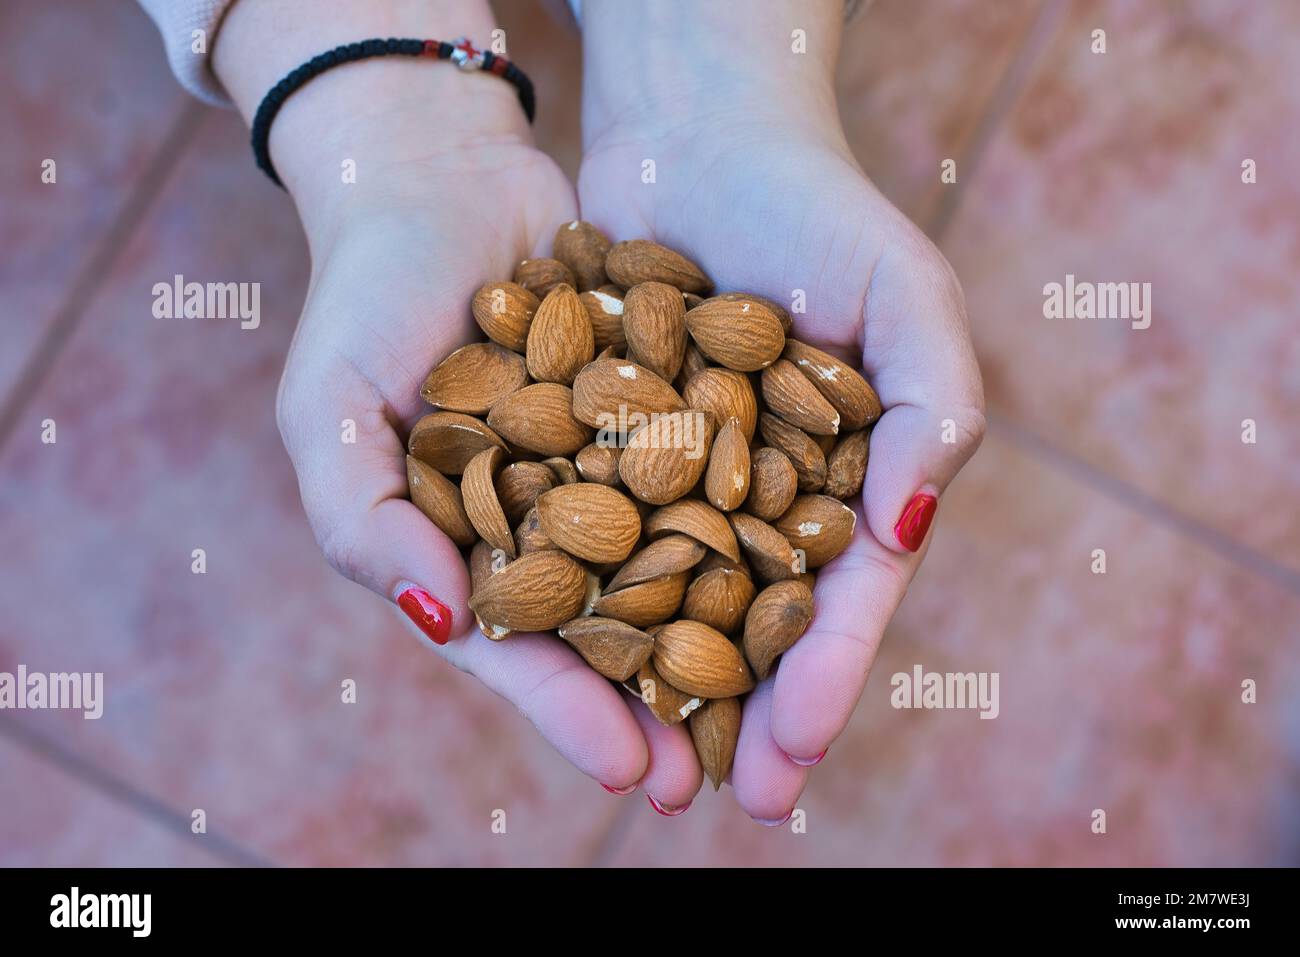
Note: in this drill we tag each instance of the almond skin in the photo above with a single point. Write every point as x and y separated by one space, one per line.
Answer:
665 458
699 660
769 552
598 463
440 500
773 484
843 387
481 504
645 604
726 481
448 440
804 454
776 620
504 311
583 248
819 526
589 521
539 418
474 377
666 556
529 536
605 386
536 592
560 341
666 703
741 334
719 598
519 484
778 310
726 395
791 396
700 520
566 473
613 648
654 324
484 562
540 276
846 466
640 260
605 313
715 731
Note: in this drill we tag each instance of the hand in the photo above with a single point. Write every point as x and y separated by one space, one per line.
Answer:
755 183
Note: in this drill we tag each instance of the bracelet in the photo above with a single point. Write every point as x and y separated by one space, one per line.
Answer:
461 52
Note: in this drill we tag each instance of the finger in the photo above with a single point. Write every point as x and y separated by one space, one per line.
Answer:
918 354
820 679
767 783
673 775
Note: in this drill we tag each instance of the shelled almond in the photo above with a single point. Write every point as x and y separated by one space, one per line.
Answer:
650 468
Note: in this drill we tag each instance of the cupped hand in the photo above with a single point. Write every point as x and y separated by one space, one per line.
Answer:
777 206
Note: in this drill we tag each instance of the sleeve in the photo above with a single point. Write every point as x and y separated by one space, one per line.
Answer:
178 21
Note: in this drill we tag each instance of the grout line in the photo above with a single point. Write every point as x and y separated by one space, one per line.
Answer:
88 279
1004 98
126 794
1127 494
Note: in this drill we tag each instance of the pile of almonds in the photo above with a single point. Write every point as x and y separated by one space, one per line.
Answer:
611 484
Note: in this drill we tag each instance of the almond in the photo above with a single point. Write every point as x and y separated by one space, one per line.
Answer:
613 648
726 481
846 466
529 536
504 310
773 484
699 660
665 702
645 604
725 394
715 731
539 418
719 598
590 521
519 484
776 620
448 440
665 458
666 556
598 463
484 562
640 260
777 309
536 592
843 387
605 313
741 334
560 341
481 503
440 500
693 362
474 377
654 324
700 521
607 387
804 454
769 552
715 560
566 473
791 396
818 526
583 248
540 276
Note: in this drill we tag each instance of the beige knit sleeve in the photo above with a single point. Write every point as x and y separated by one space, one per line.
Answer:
179 22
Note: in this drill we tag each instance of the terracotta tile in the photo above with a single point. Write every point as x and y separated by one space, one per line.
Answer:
915 80
53 820
1144 185
99 113
1119 691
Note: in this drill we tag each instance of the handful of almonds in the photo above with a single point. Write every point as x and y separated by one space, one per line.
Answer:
652 474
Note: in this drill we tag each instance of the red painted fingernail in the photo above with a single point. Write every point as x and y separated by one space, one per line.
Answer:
665 810
759 820
433 617
807 762
619 791
915 520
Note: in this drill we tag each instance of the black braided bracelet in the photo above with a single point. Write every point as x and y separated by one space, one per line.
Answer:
461 52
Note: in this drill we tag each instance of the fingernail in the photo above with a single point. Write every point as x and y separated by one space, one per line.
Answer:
807 762
665 810
433 617
759 820
619 791
915 520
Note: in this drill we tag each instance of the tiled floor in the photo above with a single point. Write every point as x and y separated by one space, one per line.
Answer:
1119 691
